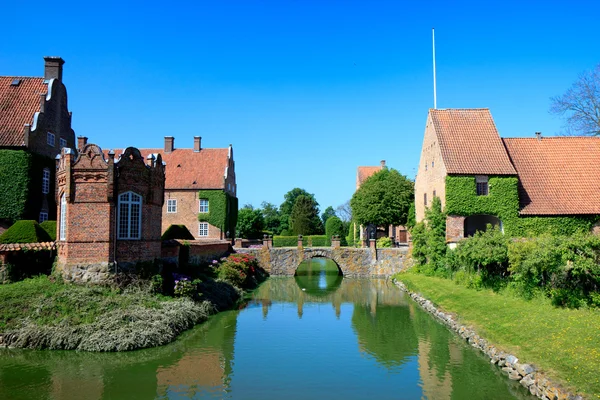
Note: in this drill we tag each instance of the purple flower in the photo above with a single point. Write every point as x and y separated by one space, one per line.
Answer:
215 262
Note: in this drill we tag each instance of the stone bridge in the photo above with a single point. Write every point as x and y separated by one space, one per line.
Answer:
352 262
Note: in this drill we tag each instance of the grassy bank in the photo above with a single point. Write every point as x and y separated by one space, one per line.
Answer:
564 343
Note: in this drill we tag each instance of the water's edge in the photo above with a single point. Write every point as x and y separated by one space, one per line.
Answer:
526 374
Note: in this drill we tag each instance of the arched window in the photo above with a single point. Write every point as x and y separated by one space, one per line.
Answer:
129 216
46 181
63 218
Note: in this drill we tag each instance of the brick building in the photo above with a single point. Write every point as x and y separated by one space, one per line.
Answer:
514 183
35 124
200 188
109 211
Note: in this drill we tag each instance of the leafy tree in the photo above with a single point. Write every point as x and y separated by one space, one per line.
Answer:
384 198
411 220
328 213
250 223
304 218
580 104
335 226
285 209
419 239
272 217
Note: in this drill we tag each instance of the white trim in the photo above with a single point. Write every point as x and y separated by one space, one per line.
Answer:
63 218
35 121
200 206
200 230
49 94
170 206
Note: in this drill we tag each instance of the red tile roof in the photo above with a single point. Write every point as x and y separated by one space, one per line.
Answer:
470 143
557 175
187 169
365 172
18 104
5 247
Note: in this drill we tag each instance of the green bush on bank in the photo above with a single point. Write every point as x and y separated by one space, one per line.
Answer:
25 231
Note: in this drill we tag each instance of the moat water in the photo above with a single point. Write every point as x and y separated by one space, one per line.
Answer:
313 336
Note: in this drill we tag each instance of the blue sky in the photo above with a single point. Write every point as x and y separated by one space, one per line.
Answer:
305 91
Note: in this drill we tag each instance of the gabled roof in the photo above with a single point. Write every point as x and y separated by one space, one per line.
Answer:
469 142
18 104
187 169
557 175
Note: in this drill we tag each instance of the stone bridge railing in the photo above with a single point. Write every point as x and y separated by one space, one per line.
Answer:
353 262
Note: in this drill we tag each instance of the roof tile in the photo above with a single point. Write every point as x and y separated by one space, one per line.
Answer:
469 142
18 104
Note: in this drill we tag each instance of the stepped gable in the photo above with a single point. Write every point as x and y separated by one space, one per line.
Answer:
557 175
470 143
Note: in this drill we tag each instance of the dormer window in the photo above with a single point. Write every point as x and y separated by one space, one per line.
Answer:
50 139
482 185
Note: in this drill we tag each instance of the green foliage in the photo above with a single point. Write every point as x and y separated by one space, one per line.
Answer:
250 223
222 210
419 239
286 207
25 231
436 233
50 228
286 241
21 185
239 269
272 218
353 237
383 242
318 241
304 218
328 213
384 198
411 219
335 226
177 232
566 269
307 241
503 202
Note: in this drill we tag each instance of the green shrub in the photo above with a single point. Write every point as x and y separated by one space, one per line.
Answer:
436 233
50 228
419 239
287 241
177 232
222 210
318 241
383 242
335 227
240 270
25 231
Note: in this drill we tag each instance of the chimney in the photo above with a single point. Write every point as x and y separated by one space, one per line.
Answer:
197 142
382 163
538 135
81 142
53 68
169 144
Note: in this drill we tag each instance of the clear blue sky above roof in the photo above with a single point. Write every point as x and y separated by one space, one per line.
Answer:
305 91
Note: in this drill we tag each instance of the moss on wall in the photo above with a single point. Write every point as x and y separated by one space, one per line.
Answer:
503 202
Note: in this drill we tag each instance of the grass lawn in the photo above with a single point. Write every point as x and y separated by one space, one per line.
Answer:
564 343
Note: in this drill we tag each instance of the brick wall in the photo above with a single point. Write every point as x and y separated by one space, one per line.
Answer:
431 175
455 228
187 213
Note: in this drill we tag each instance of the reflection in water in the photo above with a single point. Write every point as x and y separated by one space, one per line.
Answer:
362 339
318 276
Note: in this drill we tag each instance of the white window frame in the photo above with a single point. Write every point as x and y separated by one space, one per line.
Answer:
171 206
203 207
63 218
203 229
63 142
50 139
43 216
46 180
126 230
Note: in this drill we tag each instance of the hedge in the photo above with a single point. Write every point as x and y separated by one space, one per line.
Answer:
177 232
50 228
25 231
503 202
335 227
307 241
222 210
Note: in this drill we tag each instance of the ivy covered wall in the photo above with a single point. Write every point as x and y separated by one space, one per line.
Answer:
503 202
222 210
21 185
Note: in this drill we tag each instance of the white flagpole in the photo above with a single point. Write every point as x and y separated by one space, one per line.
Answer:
434 88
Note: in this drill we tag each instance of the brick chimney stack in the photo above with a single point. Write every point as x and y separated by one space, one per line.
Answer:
197 143
382 163
169 144
81 142
53 68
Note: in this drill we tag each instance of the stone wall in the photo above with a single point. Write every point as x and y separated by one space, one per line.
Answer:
198 251
353 262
